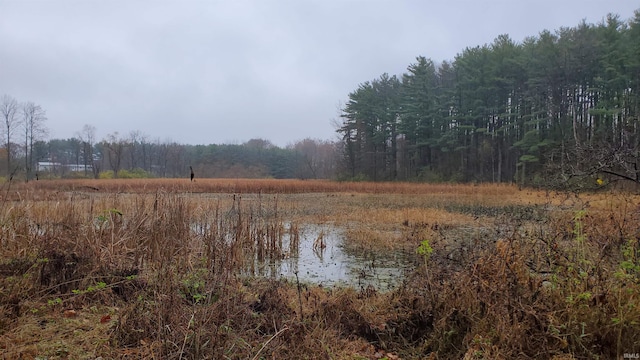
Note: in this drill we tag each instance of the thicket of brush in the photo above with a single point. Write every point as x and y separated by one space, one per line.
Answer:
169 274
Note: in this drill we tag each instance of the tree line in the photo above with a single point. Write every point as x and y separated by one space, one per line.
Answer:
28 154
31 156
555 109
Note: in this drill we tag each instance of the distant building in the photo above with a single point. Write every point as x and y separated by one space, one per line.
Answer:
47 166
79 167
44 166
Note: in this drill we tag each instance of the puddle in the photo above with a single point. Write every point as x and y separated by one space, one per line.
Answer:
337 264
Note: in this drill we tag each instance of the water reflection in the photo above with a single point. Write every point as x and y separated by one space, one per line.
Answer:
333 263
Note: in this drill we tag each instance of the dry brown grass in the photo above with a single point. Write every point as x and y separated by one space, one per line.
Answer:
158 269
270 186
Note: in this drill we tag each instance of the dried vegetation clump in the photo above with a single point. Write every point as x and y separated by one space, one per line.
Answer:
170 269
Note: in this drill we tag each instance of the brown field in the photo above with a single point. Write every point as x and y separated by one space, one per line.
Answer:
165 269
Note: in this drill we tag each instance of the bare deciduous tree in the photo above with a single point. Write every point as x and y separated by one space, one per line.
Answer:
138 148
87 135
33 118
175 156
9 109
116 147
161 155
317 158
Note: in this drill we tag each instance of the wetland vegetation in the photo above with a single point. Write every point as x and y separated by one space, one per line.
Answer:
261 269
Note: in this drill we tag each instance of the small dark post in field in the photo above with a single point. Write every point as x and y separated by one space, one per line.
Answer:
192 174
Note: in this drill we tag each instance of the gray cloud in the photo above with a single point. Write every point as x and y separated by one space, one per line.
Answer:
205 72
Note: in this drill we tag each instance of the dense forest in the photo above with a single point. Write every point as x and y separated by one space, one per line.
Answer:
560 108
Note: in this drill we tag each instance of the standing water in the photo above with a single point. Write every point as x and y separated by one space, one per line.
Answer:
324 258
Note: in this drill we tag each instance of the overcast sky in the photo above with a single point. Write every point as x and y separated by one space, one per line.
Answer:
211 72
